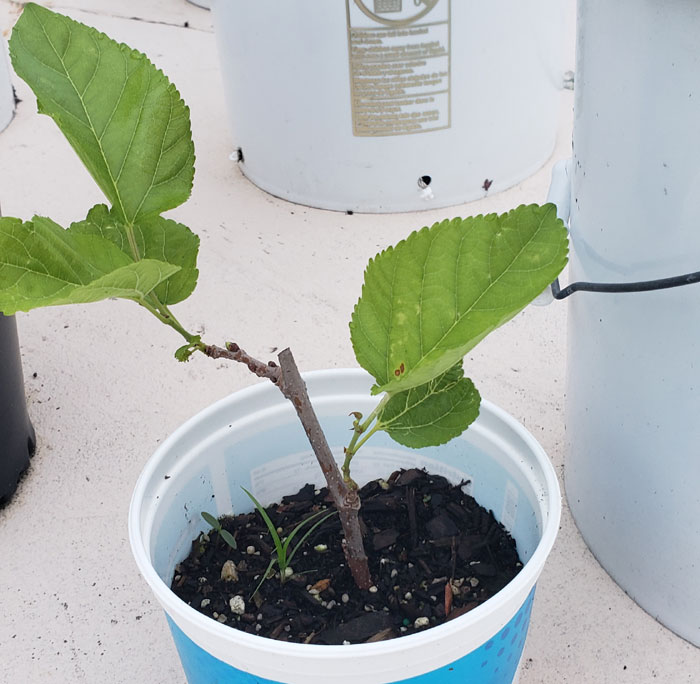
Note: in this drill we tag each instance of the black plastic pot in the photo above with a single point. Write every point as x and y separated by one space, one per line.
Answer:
17 439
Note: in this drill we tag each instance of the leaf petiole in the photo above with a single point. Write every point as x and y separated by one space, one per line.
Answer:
361 433
131 238
164 315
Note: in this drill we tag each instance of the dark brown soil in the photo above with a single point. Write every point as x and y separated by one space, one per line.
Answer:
434 554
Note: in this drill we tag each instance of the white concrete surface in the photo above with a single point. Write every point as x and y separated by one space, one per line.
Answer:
103 390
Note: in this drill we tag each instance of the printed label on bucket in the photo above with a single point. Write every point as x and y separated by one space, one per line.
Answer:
399 53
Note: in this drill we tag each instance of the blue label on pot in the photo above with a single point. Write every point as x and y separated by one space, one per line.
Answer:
494 662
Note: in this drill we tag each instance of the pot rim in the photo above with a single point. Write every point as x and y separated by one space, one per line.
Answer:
178 610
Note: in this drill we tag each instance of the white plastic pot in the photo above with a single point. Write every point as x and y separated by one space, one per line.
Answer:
253 439
7 99
633 398
390 105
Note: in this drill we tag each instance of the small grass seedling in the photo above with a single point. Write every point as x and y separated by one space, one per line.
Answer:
282 557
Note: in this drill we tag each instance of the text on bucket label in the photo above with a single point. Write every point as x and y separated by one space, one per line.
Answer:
399 54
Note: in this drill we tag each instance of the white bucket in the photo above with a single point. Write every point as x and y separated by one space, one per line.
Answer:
633 398
7 98
253 439
390 105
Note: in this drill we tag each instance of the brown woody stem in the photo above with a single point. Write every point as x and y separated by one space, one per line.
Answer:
233 352
346 499
287 377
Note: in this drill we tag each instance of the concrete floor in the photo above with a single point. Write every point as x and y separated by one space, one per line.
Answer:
104 390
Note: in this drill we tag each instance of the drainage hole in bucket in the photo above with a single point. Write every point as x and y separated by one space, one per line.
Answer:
239 155
424 182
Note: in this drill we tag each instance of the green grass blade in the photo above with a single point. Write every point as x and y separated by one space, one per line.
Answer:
311 529
264 577
281 550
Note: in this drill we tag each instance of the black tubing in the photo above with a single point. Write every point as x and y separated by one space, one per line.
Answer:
17 440
641 286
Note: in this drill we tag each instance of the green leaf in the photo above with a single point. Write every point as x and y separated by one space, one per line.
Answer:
126 121
153 238
426 302
431 414
184 352
216 525
41 264
228 538
211 521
